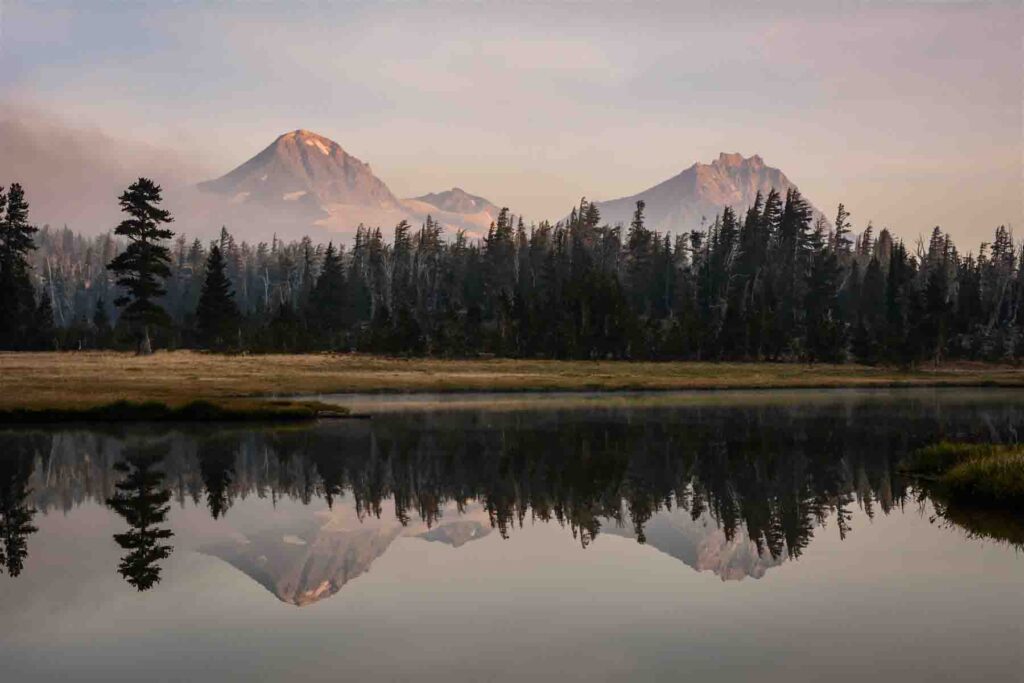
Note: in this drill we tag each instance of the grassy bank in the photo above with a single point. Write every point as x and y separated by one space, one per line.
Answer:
155 411
54 381
982 474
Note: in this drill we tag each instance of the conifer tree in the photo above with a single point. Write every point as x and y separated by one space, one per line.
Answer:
638 261
840 241
217 314
900 305
101 324
328 302
43 328
17 299
826 333
142 267
870 323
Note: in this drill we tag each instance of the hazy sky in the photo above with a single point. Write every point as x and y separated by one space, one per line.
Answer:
909 113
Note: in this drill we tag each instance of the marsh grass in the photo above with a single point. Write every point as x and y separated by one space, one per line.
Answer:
977 474
996 479
938 458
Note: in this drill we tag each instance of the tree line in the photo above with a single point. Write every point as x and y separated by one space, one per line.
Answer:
770 283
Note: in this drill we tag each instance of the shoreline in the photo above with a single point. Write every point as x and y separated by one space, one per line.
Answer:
98 386
199 411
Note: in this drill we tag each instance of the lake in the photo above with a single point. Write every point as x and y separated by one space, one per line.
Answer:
720 536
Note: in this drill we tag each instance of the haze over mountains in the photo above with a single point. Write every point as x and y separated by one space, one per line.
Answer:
73 176
304 183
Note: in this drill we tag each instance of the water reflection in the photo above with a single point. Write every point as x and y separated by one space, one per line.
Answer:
731 489
16 513
141 499
311 558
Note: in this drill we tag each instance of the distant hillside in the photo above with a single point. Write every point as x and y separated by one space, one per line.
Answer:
73 176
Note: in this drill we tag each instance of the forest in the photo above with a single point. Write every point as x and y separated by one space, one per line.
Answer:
770 283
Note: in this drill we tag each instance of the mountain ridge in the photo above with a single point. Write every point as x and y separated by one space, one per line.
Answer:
304 183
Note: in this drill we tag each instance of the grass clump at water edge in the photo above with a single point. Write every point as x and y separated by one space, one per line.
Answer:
983 474
997 479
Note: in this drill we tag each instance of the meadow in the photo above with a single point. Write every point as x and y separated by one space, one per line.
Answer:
87 380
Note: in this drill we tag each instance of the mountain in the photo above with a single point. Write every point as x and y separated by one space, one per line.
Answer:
302 183
310 558
457 200
303 569
457 533
455 209
700 192
701 544
305 168
305 182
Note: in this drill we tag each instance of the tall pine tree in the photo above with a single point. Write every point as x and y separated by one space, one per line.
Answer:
17 300
217 314
328 302
142 267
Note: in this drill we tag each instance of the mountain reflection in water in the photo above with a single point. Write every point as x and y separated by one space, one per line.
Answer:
731 489
328 549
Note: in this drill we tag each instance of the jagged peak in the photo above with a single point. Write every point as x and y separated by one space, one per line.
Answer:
735 160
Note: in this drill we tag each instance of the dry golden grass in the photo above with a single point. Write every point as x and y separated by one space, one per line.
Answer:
80 380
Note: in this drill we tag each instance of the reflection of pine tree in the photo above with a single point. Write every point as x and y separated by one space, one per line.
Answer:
217 466
143 504
15 514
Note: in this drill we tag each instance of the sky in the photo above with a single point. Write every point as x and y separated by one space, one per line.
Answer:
909 113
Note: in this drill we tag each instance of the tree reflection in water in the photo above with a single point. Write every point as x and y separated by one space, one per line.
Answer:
768 474
143 502
16 514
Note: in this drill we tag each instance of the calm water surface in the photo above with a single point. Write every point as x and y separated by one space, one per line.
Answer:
724 537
